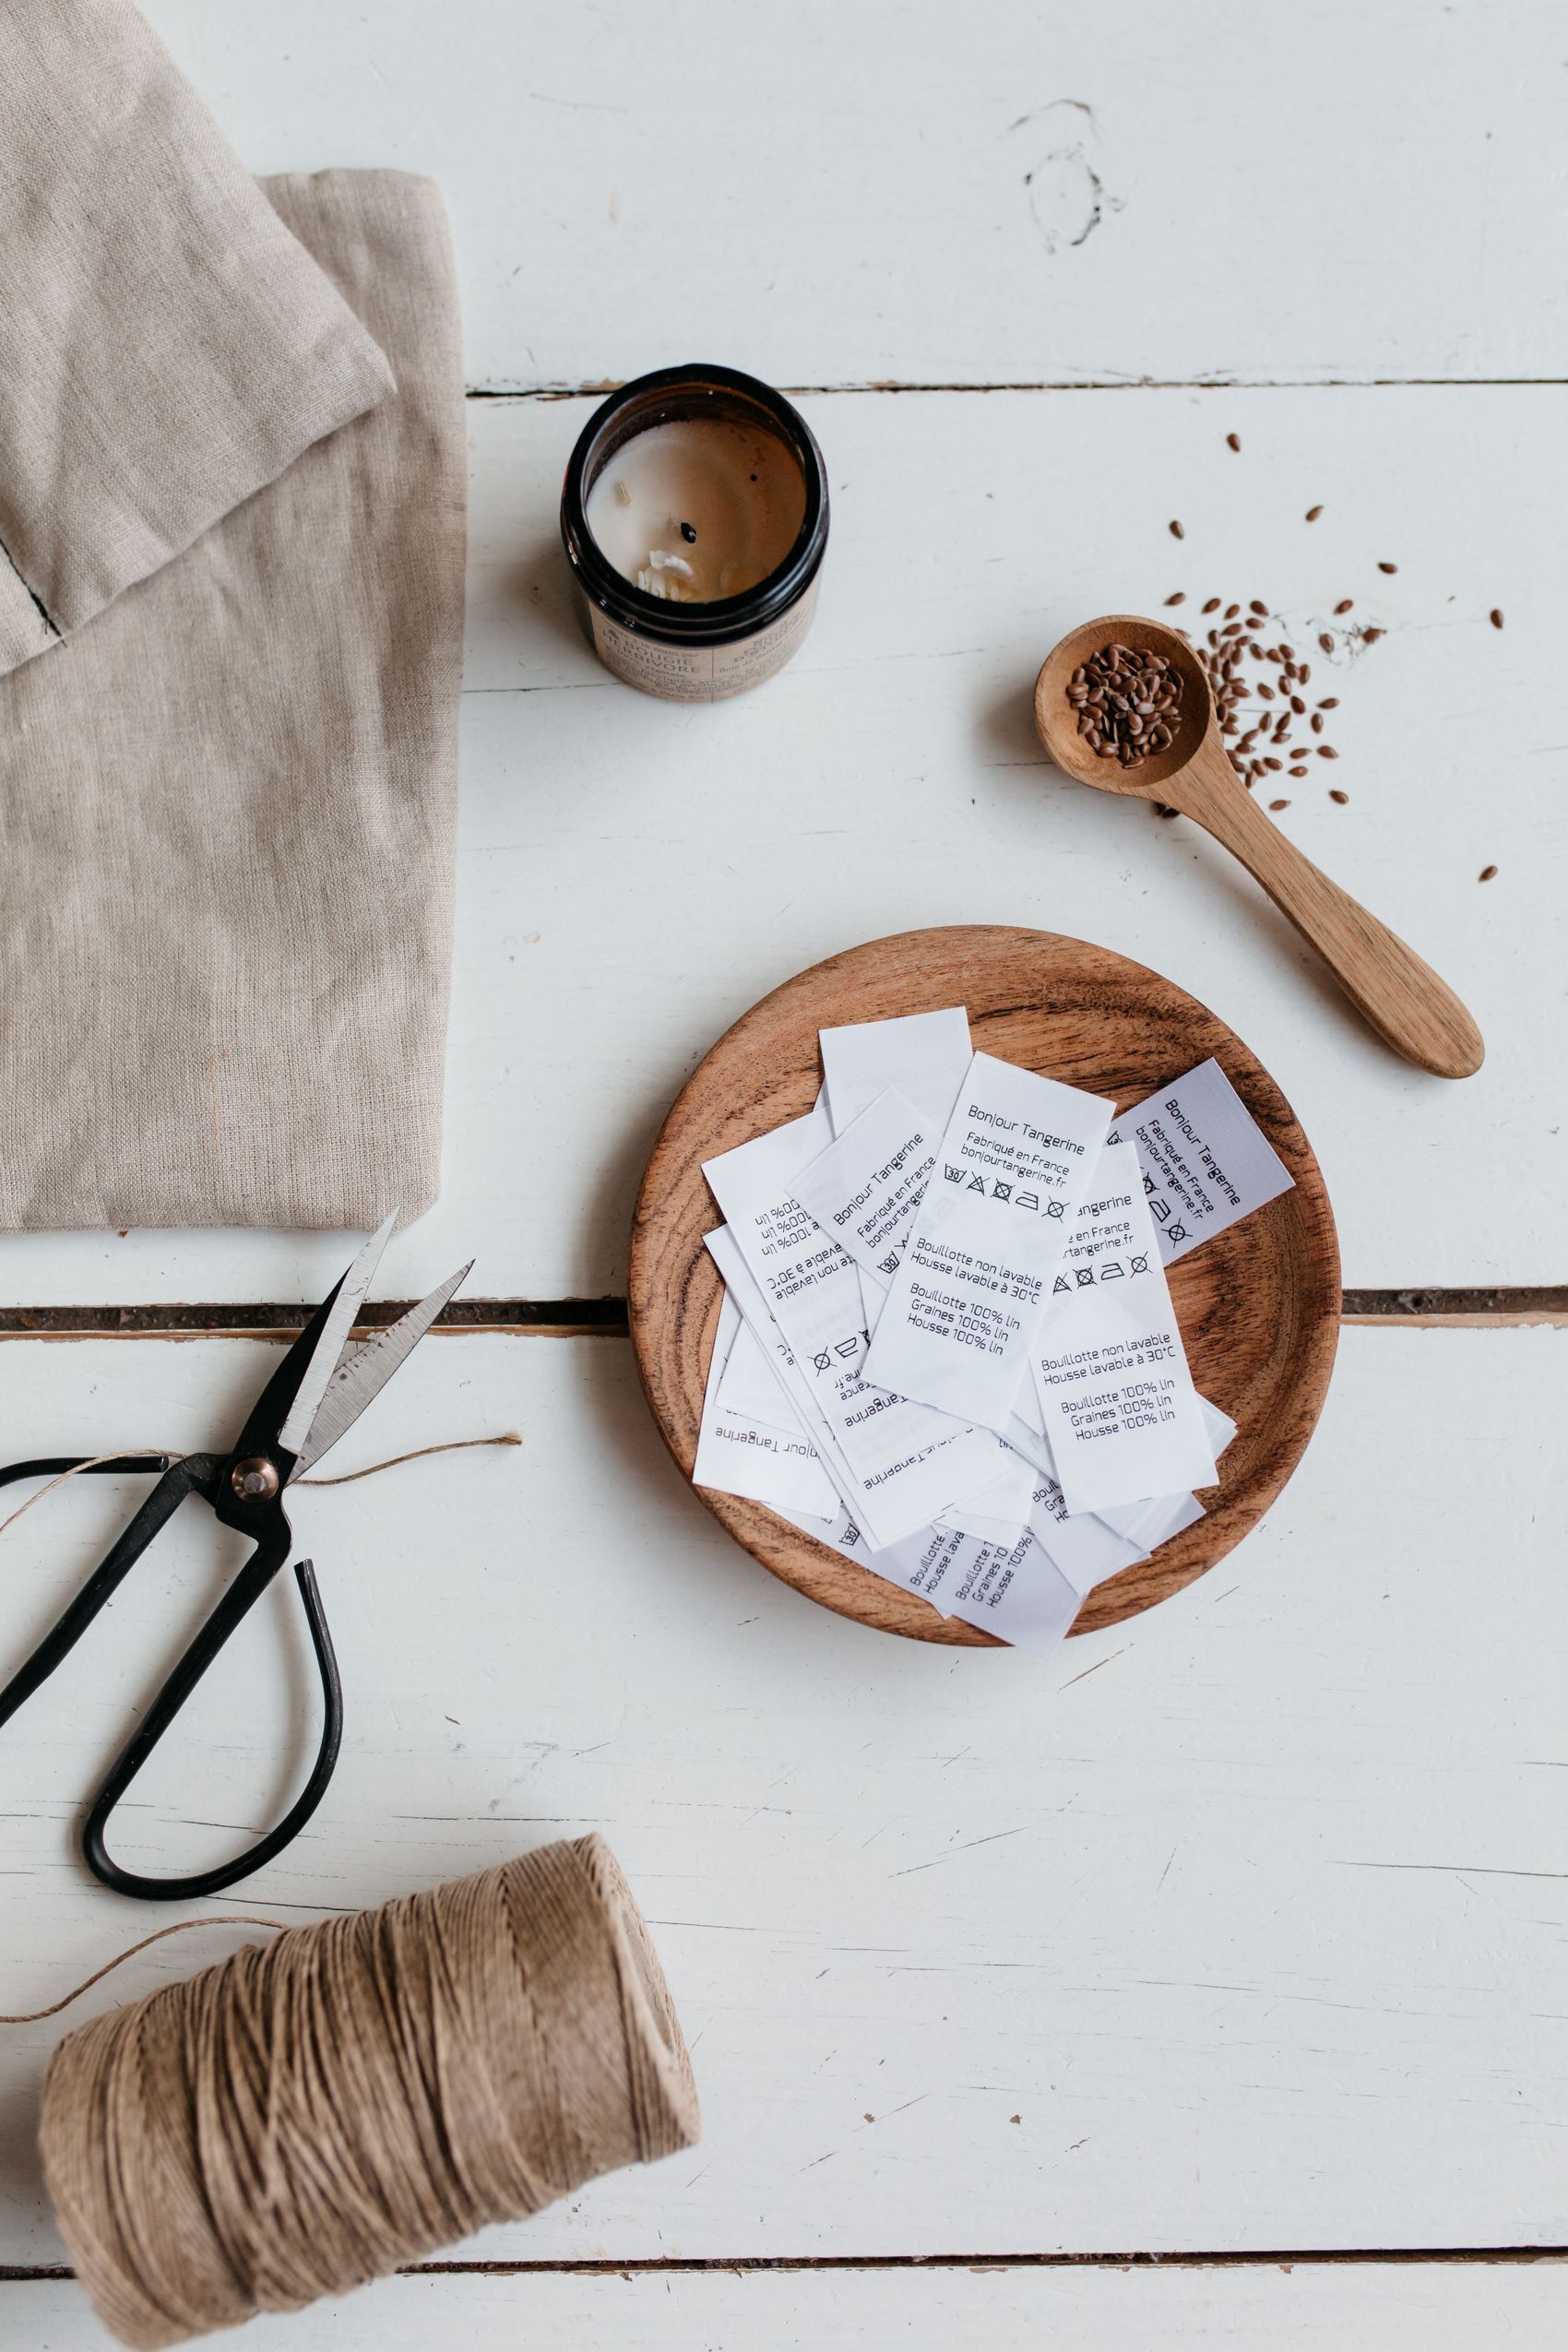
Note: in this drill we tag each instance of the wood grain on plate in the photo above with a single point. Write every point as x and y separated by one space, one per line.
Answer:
1258 1305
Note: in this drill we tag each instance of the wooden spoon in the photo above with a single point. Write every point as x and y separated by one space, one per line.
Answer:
1389 985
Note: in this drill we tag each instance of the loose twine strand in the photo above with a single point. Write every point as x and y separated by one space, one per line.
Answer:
181 1927
345 1477
217 1918
305 2117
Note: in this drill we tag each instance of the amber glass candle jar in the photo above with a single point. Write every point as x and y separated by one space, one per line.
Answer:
694 518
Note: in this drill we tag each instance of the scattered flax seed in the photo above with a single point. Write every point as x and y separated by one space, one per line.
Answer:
1345 604
1281 804
1389 567
1325 641
1329 702
1496 618
1177 532
1160 810
1371 636
1232 441
1251 684
1326 751
1313 513
1213 606
1341 797
1180 596
1486 873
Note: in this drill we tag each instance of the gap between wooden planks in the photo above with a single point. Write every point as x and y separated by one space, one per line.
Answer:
1075 384
1479 1309
653 2265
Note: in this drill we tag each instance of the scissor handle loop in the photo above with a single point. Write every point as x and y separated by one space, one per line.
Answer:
242 1595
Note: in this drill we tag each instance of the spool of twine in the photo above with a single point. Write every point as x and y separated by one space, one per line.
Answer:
309 2114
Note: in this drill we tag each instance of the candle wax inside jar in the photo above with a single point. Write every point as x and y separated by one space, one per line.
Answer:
697 508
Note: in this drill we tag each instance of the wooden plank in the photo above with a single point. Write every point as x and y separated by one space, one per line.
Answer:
1415 2306
1250 1912
838 196
634 874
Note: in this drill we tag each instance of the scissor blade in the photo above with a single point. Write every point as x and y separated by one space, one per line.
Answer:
354 1384
350 1296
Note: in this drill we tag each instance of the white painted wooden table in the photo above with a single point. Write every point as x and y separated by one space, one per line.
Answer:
1235 1937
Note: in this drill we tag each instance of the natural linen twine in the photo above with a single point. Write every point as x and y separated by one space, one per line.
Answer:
308 2116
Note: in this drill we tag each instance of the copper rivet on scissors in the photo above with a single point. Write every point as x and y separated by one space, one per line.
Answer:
254 1480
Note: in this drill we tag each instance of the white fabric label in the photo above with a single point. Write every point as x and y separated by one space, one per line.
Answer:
926 1056
746 1458
1205 1161
1119 1407
1148 1525
1011 1172
1083 1546
1000 1511
864 1189
755 1384
1013 1590
906 1461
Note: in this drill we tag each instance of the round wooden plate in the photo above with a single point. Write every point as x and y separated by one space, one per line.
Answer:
1258 1305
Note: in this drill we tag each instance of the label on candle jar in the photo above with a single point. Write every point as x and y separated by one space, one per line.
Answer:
700 672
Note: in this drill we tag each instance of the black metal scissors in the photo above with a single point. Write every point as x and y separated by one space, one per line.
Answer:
317 1392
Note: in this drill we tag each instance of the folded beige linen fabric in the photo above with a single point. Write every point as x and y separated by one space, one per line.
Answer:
165 346
228 779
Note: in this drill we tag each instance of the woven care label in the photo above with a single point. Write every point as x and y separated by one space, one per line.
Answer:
864 1189
1120 1411
755 1384
752 1458
1012 1170
1205 1158
905 1462
926 1056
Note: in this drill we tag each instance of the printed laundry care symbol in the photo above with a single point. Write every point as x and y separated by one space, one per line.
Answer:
972 1283
864 1187
1116 1400
751 1458
896 1463
1206 1162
